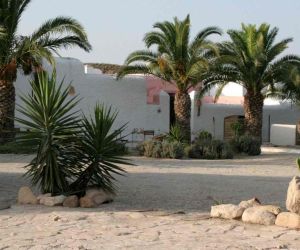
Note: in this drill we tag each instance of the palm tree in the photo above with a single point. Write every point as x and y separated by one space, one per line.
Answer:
27 52
251 59
176 60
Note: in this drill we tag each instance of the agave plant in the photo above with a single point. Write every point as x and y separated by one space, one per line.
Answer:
52 127
101 151
175 134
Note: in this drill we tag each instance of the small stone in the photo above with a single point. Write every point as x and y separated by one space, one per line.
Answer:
256 215
87 202
293 195
288 219
99 196
42 196
226 211
26 196
250 203
53 201
71 201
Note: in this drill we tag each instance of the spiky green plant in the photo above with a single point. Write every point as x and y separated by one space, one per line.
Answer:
175 134
253 59
48 114
26 52
176 60
100 151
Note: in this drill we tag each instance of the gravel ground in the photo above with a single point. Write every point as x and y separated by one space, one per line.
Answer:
161 204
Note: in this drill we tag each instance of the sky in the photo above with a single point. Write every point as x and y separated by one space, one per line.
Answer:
116 27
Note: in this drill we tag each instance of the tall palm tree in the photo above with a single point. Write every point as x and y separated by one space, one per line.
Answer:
27 52
175 59
252 59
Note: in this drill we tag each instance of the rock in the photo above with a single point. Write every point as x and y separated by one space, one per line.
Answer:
288 219
25 196
71 201
270 208
41 197
293 195
257 215
226 211
250 203
53 201
87 202
99 196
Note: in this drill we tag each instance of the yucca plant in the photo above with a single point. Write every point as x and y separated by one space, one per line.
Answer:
48 113
175 134
101 151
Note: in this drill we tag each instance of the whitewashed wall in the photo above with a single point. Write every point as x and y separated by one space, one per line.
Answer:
212 116
128 96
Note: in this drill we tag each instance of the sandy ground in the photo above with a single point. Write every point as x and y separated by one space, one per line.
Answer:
162 204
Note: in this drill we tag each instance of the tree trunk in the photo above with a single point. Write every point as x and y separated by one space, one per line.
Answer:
182 107
7 111
253 107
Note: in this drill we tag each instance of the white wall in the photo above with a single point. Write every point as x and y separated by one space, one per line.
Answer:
283 135
128 96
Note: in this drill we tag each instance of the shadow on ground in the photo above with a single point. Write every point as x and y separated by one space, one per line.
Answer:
173 191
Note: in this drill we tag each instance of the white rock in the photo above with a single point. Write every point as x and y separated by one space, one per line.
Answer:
226 211
41 197
53 201
293 196
257 215
288 219
26 196
250 203
99 196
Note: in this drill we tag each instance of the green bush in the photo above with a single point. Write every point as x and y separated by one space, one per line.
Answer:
209 149
175 134
203 135
164 149
140 148
246 144
176 150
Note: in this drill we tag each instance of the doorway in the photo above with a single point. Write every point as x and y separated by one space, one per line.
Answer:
172 110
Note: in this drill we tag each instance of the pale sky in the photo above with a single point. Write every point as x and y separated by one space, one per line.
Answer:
117 27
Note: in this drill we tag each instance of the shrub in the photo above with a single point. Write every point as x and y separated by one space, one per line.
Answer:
164 149
84 152
250 145
100 151
175 134
52 127
176 150
140 148
209 149
246 144
203 135
148 148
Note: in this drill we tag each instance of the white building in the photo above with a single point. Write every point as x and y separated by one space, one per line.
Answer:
145 102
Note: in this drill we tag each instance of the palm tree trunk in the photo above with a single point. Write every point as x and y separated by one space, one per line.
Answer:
182 107
253 107
7 110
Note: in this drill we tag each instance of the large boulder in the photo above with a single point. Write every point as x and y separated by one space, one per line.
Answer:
52 201
71 201
26 197
250 203
289 220
293 195
226 211
258 215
